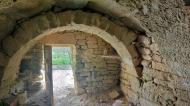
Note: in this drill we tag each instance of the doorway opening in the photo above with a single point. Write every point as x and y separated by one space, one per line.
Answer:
63 79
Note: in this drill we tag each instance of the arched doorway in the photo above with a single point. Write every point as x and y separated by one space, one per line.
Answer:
113 40
68 21
157 76
97 66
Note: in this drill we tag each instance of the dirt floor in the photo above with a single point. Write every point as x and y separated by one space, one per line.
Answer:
63 85
64 94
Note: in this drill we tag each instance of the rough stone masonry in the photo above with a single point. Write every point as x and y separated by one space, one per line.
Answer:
160 46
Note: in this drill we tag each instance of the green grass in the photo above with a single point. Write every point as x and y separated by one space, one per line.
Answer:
61 56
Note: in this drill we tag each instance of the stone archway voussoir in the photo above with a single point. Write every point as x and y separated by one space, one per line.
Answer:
11 45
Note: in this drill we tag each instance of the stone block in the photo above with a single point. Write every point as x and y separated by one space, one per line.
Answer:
157 58
80 91
124 82
145 102
145 41
98 52
133 72
11 45
3 59
25 9
147 57
149 72
80 66
92 46
91 38
114 94
83 47
152 92
154 48
145 63
104 23
22 98
94 19
144 51
182 94
84 74
81 42
22 34
7 25
80 37
113 65
112 68
53 20
92 42
134 82
42 23
161 82
133 51
80 20
109 81
102 44
122 31
112 61
32 29
129 38
99 78
130 94
65 18
159 66
113 29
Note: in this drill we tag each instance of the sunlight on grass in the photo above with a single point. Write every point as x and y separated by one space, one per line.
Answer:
61 56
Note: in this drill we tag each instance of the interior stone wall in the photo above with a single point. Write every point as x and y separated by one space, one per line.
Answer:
144 94
97 65
32 61
30 72
165 21
168 24
27 82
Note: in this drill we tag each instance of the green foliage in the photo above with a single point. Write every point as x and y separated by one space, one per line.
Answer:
61 56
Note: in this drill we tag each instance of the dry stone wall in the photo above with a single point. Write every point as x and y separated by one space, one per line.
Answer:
159 86
32 61
26 83
30 72
165 80
97 63
168 23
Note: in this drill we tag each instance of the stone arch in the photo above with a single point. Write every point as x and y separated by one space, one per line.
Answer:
31 31
166 87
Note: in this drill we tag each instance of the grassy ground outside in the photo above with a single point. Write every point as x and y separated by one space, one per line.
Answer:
61 56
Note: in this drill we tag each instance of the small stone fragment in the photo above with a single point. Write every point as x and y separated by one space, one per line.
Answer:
144 51
144 40
156 58
146 57
113 94
154 47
